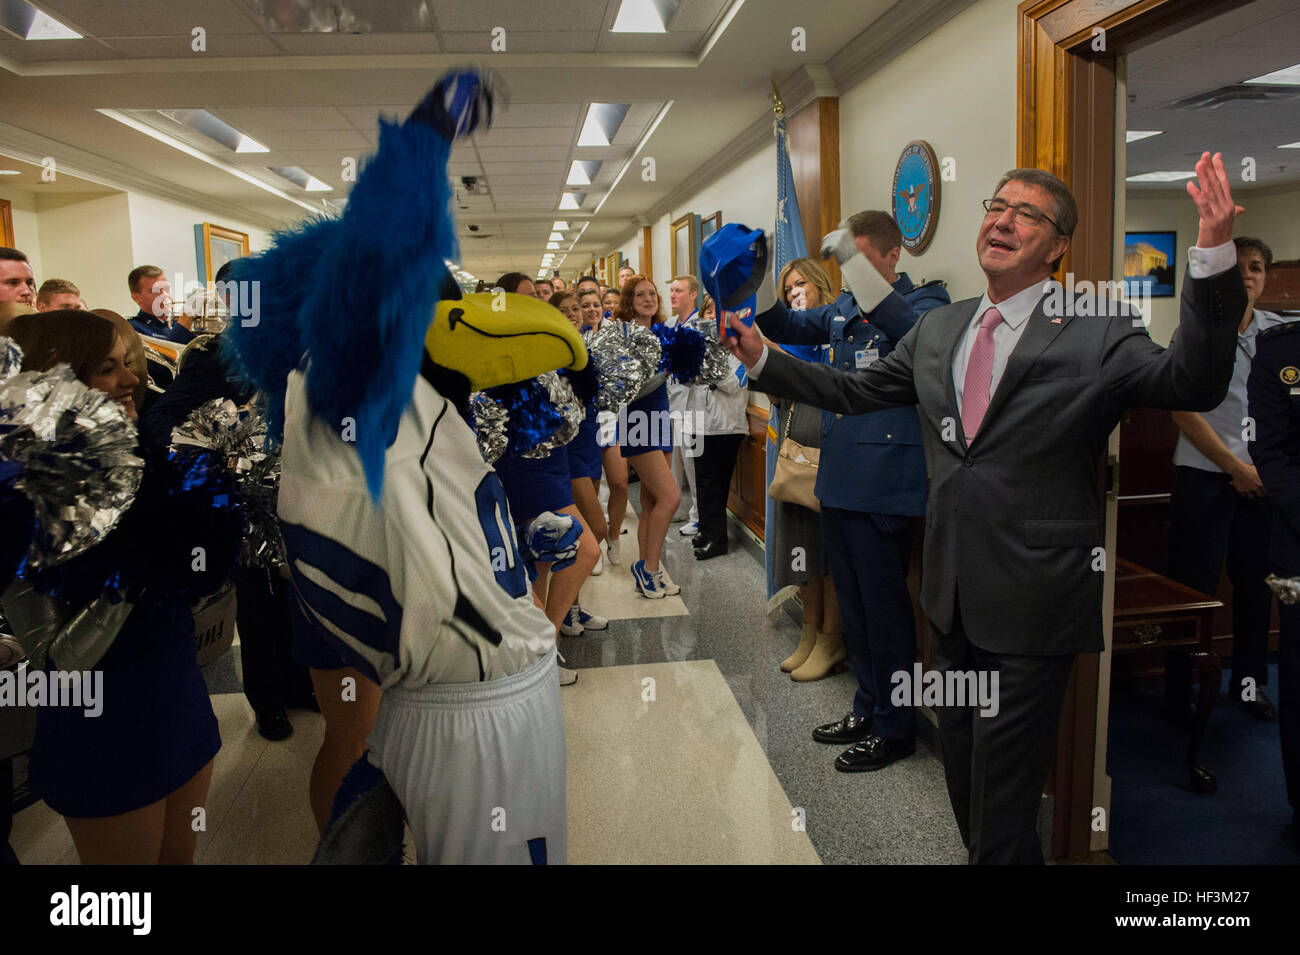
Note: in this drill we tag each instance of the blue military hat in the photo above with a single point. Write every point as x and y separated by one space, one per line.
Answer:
733 263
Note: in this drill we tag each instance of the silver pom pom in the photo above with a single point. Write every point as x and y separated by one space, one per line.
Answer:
11 358
77 449
1286 588
626 356
489 420
566 403
714 367
239 434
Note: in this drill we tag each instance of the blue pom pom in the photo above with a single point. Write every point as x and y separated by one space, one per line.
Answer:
682 352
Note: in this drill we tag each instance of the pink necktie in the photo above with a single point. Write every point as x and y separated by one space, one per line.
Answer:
979 375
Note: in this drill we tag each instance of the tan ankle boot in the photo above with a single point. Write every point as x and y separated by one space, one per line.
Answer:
827 657
802 652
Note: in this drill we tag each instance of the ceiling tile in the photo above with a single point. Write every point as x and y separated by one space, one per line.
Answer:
519 40
483 15
257 119
162 17
163 46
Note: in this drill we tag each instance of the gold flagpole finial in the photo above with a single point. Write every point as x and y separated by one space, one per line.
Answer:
778 107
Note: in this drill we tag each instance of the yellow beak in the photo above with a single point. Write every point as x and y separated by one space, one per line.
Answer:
496 338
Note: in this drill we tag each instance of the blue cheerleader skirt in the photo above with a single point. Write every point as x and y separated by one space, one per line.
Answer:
647 426
154 733
584 450
534 485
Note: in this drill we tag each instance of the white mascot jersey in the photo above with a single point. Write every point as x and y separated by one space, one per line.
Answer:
428 587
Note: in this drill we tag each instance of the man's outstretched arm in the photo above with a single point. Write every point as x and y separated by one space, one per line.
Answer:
885 384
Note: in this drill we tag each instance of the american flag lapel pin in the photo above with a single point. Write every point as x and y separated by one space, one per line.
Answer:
1056 321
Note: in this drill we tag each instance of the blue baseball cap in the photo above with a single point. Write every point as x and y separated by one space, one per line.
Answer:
733 263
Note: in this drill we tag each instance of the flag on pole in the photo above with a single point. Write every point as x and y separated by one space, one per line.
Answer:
788 243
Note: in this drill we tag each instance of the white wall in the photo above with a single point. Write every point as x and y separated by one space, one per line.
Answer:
956 89
162 234
88 242
27 232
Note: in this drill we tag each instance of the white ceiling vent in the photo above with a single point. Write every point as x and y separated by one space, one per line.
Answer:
1237 93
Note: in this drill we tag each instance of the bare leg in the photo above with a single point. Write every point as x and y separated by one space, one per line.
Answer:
813 607
657 481
585 496
347 724
615 466
132 838
563 585
832 622
179 835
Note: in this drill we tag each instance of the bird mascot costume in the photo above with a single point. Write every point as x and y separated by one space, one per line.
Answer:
399 540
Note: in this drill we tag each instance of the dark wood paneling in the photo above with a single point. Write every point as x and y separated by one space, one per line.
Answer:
747 498
815 161
1281 288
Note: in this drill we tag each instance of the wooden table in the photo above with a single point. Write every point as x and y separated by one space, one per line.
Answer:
1154 612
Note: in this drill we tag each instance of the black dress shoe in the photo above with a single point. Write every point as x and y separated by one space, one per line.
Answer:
709 550
698 540
1261 708
275 726
848 730
874 753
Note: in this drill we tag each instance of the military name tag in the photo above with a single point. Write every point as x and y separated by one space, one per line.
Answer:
863 357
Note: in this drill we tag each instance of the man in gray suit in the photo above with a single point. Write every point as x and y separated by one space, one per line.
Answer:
1017 392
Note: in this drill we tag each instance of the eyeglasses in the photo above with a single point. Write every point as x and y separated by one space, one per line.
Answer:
1026 214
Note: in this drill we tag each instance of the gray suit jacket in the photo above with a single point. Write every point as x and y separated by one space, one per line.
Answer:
1012 521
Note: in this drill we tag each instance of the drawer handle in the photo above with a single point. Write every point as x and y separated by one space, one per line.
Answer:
1148 633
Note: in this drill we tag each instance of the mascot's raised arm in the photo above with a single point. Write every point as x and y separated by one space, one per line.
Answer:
402 551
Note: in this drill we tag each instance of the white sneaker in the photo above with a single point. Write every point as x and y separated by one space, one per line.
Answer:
567 677
572 625
689 530
666 584
611 551
600 566
589 621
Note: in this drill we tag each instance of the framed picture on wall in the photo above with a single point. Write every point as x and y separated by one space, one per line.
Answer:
684 244
7 224
710 225
215 246
1149 264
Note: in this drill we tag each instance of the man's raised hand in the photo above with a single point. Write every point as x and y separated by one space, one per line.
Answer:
746 344
1213 197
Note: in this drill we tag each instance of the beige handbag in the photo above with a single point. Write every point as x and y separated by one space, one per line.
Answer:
796 471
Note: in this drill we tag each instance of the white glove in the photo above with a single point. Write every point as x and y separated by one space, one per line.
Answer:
839 244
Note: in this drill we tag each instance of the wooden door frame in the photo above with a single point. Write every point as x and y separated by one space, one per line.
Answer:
1065 109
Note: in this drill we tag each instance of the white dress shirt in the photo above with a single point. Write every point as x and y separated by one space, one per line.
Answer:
1202 263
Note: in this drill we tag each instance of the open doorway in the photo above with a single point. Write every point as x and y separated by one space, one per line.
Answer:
1070 73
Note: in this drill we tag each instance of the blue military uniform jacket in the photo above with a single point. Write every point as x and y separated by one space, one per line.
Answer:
874 463
1274 403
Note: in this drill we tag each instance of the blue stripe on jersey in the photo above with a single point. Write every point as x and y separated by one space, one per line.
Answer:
350 572
537 850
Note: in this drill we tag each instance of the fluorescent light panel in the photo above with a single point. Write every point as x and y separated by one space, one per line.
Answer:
1134 135
189 150
301 178
644 16
559 225
555 237
217 130
582 172
1163 176
1295 145
572 200
1288 76
28 23
602 123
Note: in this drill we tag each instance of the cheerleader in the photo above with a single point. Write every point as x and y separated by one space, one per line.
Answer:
128 781
646 444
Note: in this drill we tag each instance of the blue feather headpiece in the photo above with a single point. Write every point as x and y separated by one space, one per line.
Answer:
355 295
